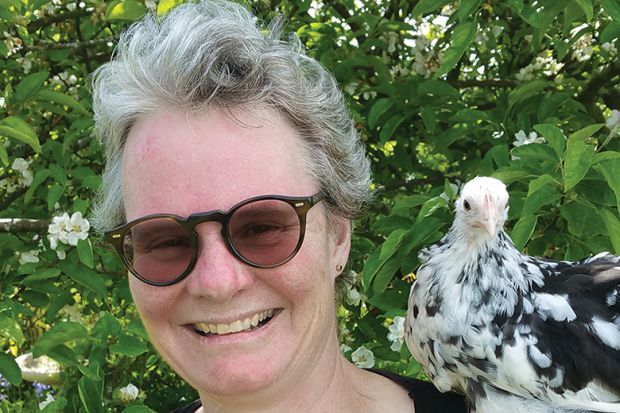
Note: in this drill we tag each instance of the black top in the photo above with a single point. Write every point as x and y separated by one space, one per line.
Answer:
426 398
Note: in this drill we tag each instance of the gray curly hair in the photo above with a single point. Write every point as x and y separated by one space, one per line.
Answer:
216 54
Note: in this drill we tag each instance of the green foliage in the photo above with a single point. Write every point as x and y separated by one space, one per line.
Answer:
441 91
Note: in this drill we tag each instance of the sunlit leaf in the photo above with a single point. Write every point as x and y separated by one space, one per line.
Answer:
126 10
165 6
462 37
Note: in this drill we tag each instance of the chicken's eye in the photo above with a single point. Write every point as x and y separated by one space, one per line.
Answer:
466 205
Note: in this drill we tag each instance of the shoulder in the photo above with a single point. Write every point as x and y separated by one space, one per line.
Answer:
425 396
190 408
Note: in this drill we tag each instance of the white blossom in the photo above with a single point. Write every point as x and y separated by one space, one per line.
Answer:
345 348
128 393
2 104
614 120
582 49
48 400
363 358
23 167
29 256
353 296
397 333
67 229
610 47
544 63
523 139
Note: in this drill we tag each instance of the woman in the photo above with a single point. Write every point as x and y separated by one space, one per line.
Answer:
233 170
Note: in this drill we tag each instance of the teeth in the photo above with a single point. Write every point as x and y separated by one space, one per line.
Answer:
235 326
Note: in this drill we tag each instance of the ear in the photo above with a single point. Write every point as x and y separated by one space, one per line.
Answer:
341 237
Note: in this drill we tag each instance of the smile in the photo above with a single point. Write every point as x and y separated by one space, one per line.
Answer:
237 326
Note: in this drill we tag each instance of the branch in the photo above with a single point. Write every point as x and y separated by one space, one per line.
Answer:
46 21
10 198
492 83
591 89
15 225
47 44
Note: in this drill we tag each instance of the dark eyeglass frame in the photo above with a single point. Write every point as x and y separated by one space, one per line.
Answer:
301 205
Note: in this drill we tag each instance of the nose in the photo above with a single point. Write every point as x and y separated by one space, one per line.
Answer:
217 275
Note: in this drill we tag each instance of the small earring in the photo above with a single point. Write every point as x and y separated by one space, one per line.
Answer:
338 267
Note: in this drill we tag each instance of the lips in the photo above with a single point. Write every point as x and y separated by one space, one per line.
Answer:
247 324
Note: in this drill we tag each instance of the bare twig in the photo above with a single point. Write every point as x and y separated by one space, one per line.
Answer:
15 225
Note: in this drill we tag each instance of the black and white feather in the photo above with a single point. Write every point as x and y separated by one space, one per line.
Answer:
514 333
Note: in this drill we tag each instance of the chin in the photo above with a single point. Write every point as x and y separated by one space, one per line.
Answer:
234 379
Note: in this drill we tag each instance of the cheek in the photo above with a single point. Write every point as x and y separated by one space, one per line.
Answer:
154 303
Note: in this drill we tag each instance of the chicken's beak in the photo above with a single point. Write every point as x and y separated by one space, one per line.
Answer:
489 217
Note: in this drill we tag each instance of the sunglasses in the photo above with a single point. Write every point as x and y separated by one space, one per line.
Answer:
263 232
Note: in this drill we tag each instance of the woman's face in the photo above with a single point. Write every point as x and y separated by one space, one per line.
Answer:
174 163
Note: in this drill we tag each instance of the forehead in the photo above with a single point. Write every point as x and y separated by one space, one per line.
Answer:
184 164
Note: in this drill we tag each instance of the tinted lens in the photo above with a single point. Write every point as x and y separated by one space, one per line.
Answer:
265 232
160 249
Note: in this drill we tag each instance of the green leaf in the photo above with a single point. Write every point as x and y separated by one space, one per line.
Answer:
429 118
403 243
436 87
427 6
53 195
461 39
85 277
466 8
16 128
10 328
38 179
129 346
613 227
526 91
585 133
378 109
523 230
91 393
57 406
43 274
389 127
60 333
126 10
541 191
85 253
107 325
612 7
29 85
586 6
61 98
430 207
609 166
139 408
4 156
10 370
577 161
509 175
554 136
